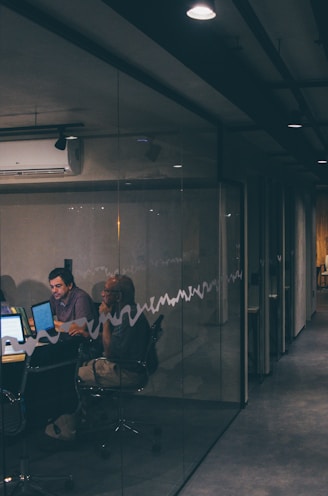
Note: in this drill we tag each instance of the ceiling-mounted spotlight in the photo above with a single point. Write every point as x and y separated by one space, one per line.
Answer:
322 160
295 120
202 10
61 142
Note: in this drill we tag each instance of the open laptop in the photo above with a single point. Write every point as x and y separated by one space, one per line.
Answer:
43 319
11 326
26 326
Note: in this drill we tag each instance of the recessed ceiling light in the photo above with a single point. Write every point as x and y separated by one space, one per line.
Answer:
295 121
202 10
295 125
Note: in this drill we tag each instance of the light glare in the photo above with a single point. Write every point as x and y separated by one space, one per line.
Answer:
201 12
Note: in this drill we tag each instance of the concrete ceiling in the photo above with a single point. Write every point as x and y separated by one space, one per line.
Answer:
248 70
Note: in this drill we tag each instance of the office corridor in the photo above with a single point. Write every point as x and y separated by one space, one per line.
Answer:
278 445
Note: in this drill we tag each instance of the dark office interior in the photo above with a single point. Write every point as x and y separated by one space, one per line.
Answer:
190 155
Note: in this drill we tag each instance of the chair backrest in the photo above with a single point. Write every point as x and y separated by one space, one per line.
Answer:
49 381
156 332
326 262
156 328
47 385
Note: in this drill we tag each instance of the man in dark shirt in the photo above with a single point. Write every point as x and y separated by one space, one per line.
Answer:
125 337
124 341
70 303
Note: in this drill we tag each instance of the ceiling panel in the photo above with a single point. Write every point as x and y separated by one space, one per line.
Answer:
248 68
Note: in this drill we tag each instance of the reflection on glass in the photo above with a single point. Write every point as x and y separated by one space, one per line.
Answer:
175 231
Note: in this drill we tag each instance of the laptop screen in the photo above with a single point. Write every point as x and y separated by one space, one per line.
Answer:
11 326
26 326
42 315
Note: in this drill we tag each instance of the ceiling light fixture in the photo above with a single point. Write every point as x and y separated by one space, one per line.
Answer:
202 10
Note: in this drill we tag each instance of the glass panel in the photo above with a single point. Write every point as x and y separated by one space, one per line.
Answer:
175 231
211 323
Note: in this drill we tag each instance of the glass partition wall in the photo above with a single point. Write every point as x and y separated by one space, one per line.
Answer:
148 204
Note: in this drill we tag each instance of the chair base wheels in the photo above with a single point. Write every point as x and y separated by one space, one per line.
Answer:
103 448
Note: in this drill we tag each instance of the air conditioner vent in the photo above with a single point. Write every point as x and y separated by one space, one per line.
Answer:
33 172
28 158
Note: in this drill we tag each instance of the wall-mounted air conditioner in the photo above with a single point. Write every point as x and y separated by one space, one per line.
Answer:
39 158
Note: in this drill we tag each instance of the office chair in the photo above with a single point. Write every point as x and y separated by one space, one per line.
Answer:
149 364
14 416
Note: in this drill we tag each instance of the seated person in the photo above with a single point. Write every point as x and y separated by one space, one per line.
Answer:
123 344
70 303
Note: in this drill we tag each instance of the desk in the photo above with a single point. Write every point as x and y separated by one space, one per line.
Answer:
18 357
12 367
14 358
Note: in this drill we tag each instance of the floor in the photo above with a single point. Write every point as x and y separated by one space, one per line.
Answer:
127 465
278 445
